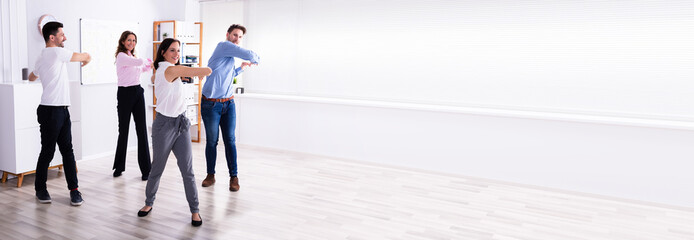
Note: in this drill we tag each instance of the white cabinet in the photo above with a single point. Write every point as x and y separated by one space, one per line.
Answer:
20 138
27 149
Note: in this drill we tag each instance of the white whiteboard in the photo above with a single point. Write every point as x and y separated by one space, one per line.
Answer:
624 58
99 38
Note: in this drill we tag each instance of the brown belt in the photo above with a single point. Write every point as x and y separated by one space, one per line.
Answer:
218 99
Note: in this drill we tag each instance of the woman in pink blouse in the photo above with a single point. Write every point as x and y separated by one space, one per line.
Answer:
131 100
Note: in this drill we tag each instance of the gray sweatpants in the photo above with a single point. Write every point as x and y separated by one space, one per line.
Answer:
171 134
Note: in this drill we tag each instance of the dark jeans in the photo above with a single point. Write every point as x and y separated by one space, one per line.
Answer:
55 127
131 100
216 115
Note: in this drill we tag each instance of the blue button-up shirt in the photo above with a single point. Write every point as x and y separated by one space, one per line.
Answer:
219 84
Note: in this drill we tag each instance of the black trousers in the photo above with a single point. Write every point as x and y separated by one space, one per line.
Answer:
131 100
55 127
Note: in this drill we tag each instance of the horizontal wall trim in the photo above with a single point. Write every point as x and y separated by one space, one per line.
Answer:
563 115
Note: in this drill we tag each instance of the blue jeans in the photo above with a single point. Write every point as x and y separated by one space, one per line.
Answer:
216 115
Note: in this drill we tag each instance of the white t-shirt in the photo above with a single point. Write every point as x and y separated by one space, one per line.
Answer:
51 68
170 95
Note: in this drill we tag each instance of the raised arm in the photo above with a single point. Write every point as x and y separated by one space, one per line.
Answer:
84 58
174 72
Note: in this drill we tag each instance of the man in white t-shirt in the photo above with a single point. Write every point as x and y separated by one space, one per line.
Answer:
53 115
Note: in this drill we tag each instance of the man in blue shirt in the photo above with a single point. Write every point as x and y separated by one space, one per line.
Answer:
218 107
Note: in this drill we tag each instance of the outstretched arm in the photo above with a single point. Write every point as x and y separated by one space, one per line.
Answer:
148 66
124 59
174 72
84 58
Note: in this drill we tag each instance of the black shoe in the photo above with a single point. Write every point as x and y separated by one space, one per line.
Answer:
143 213
145 177
43 196
117 173
196 223
76 198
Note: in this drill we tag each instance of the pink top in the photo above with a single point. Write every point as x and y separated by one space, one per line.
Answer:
128 69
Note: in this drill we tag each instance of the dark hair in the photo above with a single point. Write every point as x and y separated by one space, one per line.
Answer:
162 48
237 26
50 28
121 47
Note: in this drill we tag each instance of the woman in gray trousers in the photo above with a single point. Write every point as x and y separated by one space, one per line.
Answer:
170 127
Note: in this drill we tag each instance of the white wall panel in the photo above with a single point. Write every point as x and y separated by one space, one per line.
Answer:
642 163
627 58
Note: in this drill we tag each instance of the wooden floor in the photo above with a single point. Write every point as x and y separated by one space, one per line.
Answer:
288 195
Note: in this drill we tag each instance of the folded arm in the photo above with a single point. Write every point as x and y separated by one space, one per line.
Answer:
149 65
243 66
229 49
84 58
174 72
125 60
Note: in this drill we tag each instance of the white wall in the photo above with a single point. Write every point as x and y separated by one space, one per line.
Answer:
602 57
192 11
651 164
99 116
588 96
217 17
2 33
13 48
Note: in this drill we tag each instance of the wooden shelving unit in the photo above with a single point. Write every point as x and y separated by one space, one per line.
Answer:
173 29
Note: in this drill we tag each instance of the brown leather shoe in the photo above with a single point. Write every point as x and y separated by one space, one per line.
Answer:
209 180
234 184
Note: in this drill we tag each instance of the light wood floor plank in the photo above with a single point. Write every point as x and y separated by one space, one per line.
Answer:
286 195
